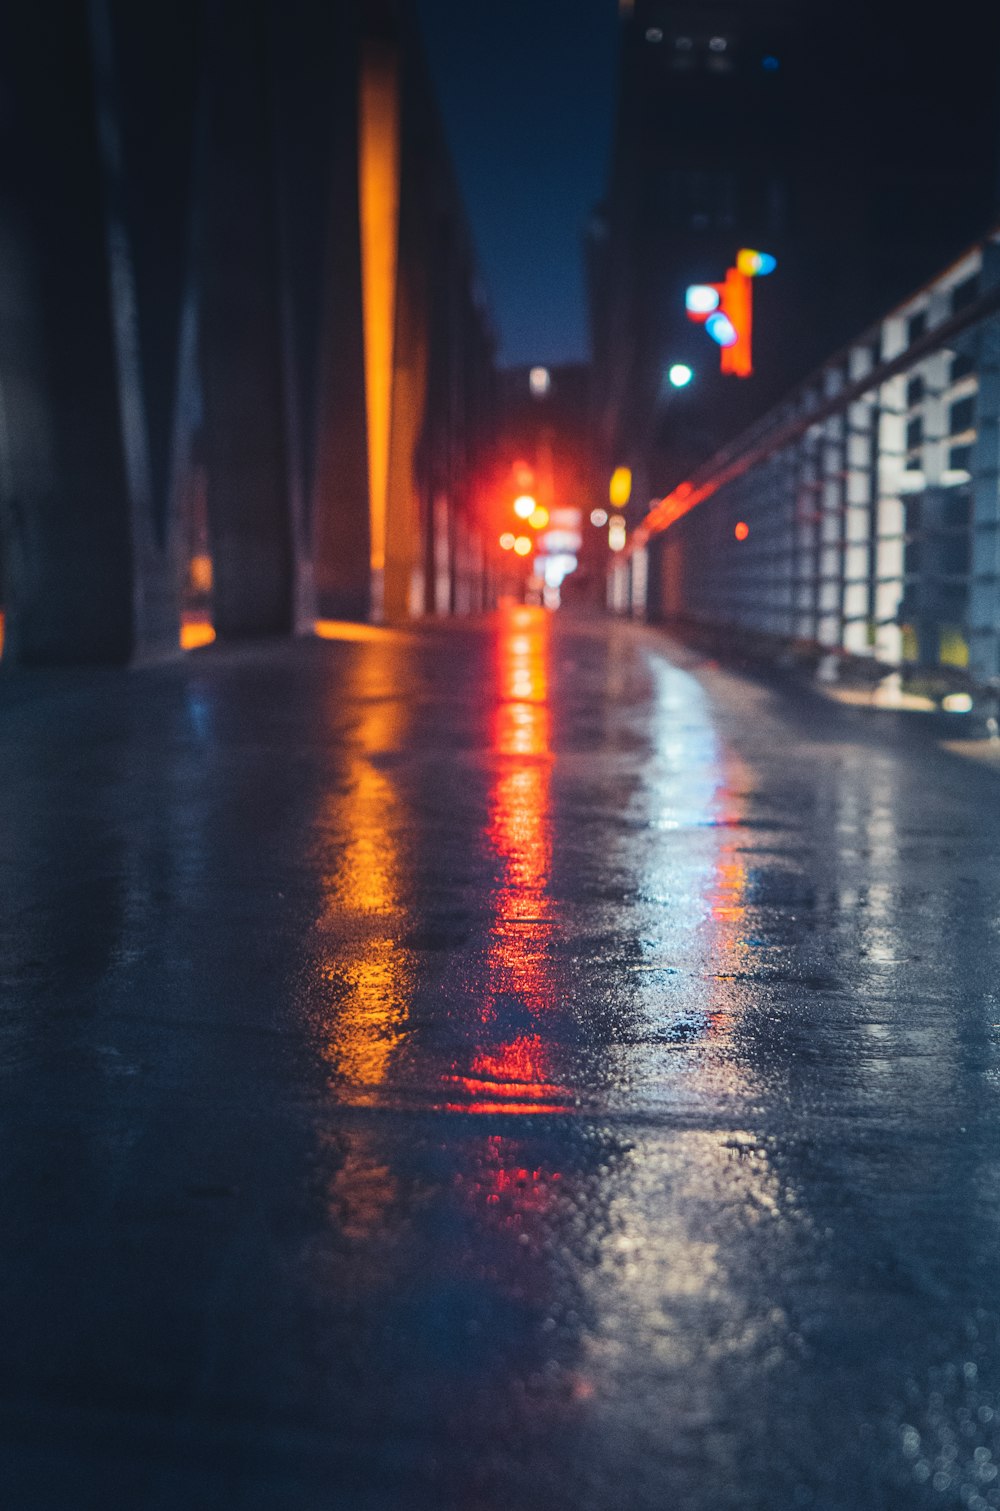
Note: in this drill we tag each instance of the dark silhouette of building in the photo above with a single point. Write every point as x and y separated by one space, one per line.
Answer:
856 143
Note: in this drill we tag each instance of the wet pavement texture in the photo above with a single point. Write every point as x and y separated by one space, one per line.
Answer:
502 1065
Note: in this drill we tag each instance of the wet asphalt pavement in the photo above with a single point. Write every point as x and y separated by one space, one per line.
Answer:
488 1067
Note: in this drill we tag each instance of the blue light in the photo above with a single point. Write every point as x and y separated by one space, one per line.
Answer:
770 64
721 329
766 263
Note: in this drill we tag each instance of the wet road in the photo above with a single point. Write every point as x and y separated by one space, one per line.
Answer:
490 1067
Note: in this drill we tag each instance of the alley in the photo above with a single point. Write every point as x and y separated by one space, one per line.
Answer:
503 1064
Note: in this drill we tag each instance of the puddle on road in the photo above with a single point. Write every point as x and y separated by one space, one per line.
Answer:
506 1013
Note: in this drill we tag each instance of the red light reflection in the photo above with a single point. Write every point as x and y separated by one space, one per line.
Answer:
515 1076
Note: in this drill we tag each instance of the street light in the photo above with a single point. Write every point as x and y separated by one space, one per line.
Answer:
525 506
620 488
679 375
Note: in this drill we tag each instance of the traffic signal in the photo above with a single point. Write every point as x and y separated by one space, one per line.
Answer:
726 309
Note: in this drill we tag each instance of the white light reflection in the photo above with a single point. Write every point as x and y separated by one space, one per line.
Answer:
692 892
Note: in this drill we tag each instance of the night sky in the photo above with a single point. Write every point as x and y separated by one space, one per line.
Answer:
526 89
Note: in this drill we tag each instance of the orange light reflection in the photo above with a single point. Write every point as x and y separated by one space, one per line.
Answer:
371 976
347 629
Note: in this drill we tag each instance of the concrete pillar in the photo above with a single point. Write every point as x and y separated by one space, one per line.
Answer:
339 512
241 338
64 500
148 62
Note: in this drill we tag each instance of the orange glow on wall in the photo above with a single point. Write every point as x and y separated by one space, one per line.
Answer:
196 629
378 179
200 573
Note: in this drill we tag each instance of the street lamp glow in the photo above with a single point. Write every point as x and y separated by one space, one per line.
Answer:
539 381
620 490
701 299
525 506
755 264
680 375
507 541
538 518
598 517
522 545
722 329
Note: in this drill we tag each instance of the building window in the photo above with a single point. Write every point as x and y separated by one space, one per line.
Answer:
914 391
916 327
962 364
914 433
962 415
964 293
700 201
960 458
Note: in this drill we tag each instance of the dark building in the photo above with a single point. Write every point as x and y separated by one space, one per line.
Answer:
856 143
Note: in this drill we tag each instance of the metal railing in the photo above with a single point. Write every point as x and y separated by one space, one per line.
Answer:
870 497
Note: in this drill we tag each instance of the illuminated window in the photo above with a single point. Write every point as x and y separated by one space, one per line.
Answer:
539 381
718 44
654 34
684 55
